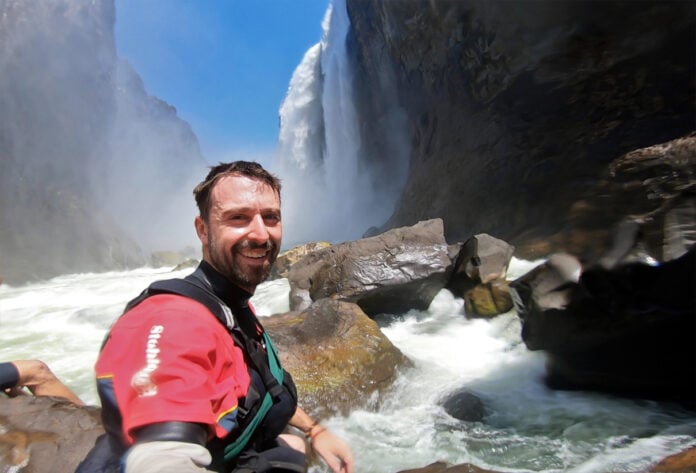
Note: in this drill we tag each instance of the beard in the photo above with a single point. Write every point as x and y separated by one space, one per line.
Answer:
235 269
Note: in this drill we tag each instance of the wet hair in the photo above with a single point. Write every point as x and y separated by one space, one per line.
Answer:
249 169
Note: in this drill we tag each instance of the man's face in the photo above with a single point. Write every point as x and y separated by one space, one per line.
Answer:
242 236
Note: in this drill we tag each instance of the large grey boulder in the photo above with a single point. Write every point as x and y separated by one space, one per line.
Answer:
398 270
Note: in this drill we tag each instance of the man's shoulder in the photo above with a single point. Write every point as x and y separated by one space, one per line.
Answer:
167 306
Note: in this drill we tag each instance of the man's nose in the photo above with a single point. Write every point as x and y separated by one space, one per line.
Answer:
258 230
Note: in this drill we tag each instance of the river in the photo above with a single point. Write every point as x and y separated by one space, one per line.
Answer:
527 427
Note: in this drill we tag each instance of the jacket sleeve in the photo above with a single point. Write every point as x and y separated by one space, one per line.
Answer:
167 457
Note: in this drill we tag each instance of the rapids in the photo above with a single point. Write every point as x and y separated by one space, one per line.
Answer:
527 427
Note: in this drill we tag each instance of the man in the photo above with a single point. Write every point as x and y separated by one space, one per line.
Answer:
36 376
177 385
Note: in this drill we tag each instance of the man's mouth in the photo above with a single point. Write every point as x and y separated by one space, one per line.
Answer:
254 254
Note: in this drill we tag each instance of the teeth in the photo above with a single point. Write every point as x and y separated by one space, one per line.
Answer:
254 255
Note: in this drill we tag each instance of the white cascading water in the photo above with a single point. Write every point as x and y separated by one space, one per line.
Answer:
327 196
527 427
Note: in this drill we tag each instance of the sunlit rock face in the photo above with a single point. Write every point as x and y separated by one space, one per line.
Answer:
91 165
516 109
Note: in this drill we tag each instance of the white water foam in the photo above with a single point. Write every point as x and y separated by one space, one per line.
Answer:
527 427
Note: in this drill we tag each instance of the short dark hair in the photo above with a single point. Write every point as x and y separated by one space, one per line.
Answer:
240 168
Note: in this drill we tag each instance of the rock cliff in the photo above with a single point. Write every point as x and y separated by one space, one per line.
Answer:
516 109
82 145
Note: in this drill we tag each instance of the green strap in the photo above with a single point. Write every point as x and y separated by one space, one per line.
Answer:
233 449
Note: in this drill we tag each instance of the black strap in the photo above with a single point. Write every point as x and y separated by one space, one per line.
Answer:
191 289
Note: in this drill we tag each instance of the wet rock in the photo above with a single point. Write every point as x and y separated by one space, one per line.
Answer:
464 405
44 434
337 355
481 259
442 467
488 300
682 462
396 271
630 330
286 259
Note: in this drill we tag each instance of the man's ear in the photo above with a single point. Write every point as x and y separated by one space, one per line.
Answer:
201 230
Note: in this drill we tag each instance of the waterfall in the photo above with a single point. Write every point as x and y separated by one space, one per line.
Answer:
328 192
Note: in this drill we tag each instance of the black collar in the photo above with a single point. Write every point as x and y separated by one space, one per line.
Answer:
231 294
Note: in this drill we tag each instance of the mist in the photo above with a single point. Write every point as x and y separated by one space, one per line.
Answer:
95 172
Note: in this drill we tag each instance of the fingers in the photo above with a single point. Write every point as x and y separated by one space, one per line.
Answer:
335 453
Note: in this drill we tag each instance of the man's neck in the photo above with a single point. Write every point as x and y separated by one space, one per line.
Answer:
230 293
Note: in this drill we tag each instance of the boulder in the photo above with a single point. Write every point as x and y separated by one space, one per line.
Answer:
488 300
394 272
464 405
630 330
481 259
45 434
286 259
479 274
546 286
682 462
337 355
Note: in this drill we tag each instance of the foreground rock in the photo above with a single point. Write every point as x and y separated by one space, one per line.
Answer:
338 356
394 272
45 435
442 467
630 330
683 462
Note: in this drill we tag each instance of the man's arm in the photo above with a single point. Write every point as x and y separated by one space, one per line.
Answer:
172 447
40 380
335 452
167 457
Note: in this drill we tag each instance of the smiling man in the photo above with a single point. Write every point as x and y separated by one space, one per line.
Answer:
189 380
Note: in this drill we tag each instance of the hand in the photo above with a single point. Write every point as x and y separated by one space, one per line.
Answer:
335 452
15 391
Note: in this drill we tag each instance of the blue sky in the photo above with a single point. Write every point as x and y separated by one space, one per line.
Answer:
224 64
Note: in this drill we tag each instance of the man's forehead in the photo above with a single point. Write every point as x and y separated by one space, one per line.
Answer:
236 190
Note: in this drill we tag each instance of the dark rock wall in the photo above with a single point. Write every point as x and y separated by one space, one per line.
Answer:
79 137
514 109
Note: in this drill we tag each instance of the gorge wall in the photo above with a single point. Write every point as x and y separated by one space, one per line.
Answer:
517 109
507 118
92 166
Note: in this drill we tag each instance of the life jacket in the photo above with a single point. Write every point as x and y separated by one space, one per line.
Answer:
271 386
